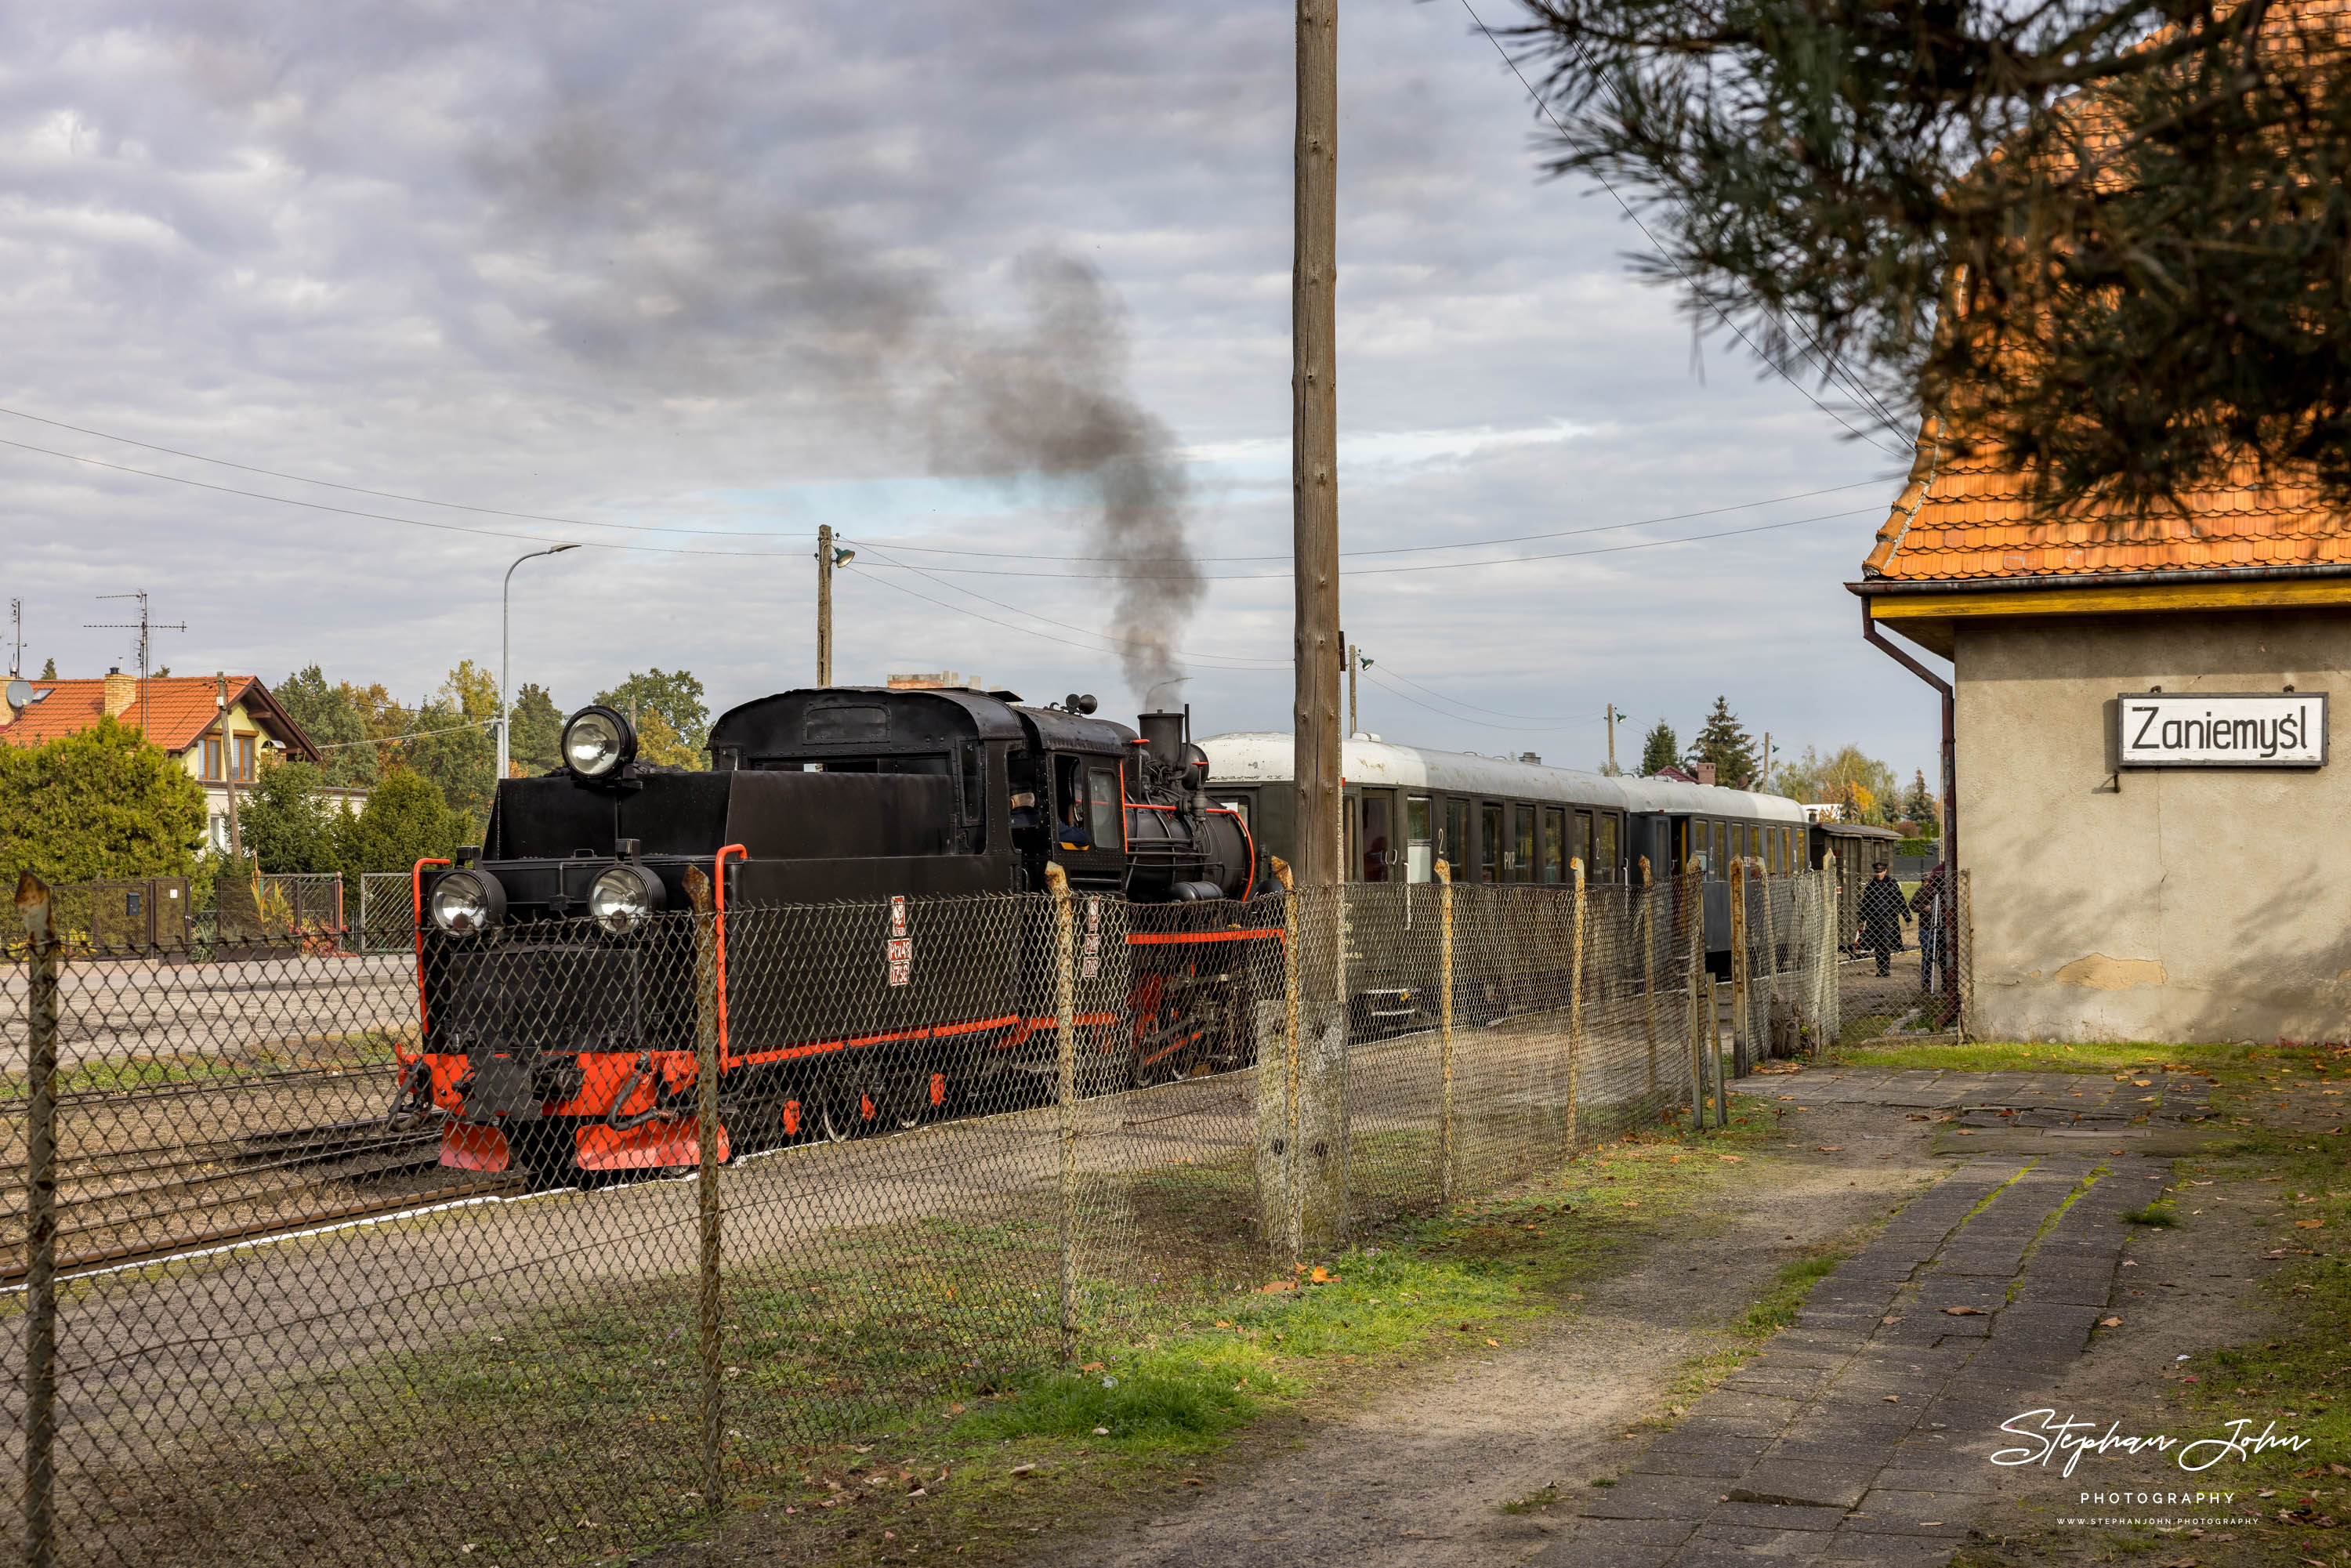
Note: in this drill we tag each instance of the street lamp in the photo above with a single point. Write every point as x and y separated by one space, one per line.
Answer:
505 651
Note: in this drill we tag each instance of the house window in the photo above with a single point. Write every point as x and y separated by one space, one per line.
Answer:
211 758
245 758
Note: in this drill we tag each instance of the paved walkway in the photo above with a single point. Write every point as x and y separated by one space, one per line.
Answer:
1861 1434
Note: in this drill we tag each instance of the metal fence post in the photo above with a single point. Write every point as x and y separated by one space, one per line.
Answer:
1742 1043
1714 988
705 1183
1065 1023
1833 923
1575 1010
1645 929
40 1224
1444 1029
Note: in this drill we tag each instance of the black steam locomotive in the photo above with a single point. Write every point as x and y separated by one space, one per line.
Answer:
560 990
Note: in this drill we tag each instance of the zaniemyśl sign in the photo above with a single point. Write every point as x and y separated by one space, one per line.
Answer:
2222 729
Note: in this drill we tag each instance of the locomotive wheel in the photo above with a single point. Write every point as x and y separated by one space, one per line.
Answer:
834 1122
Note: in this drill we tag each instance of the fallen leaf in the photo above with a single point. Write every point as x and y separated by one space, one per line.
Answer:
1734 1159
1915 1116
1322 1276
1027 1470
1101 1431
1194 1481
1497 1344
1277 1287
1828 1148
2110 1322
1964 1311
2309 1223
1892 1398
1092 1366
1891 1320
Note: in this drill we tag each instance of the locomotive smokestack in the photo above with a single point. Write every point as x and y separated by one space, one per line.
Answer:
1164 732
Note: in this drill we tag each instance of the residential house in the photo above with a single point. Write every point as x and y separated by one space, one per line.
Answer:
182 714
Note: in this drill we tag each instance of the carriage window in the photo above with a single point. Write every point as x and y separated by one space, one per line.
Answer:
1522 843
1583 840
1604 852
1720 866
1237 808
1419 864
1489 845
1105 812
1554 848
1378 806
1453 849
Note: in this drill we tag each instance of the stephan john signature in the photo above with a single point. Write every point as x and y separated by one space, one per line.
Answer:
2050 1438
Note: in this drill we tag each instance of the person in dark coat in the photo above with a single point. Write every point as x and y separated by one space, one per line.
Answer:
1882 912
1931 904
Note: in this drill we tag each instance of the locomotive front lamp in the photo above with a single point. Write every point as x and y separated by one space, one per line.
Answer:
596 741
465 903
624 896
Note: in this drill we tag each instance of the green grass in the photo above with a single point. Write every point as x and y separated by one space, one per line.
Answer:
929 1349
1795 1280
2157 1214
366 1049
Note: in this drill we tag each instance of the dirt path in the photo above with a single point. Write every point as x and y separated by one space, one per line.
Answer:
1421 1475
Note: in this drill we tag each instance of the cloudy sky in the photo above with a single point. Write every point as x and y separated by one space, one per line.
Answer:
683 283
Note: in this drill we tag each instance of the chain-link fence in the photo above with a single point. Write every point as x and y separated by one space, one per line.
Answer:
570 1233
387 913
1904 970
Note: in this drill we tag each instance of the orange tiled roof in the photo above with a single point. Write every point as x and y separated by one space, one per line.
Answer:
176 712
1965 517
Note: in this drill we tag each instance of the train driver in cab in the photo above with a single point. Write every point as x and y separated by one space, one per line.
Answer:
1072 834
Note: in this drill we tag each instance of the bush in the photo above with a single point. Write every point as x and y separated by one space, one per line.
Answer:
405 820
101 804
285 823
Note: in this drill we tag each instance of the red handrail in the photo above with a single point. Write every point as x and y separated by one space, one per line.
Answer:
416 899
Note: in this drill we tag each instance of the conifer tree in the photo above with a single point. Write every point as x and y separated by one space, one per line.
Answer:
1727 745
1661 750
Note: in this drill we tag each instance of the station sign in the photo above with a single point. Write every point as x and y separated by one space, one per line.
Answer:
2222 729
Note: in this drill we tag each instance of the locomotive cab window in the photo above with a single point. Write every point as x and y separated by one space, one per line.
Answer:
1106 806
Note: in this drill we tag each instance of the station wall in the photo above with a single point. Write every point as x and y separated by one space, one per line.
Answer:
2174 904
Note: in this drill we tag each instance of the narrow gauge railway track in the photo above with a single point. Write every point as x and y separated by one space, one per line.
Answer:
281 1225
254 1082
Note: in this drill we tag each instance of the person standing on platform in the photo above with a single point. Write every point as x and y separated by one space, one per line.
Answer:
1930 904
1882 912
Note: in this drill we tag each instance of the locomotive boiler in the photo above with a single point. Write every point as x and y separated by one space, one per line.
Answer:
861 981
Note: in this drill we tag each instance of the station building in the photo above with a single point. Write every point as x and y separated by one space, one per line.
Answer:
2141 775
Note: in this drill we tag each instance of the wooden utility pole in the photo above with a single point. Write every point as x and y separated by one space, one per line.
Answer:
1612 740
824 604
228 773
1354 725
1314 446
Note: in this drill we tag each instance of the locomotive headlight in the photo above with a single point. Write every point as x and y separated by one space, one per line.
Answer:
596 741
466 902
624 896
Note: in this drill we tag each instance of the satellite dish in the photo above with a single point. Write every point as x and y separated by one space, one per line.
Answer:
20 694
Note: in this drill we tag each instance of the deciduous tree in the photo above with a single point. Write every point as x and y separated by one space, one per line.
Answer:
286 823
676 696
536 744
333 724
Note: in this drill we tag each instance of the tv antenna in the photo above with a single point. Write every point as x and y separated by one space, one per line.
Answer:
146 629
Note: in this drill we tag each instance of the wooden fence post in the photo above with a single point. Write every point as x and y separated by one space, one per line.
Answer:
705 1183
41 961
1742 1044
1646 933
1065 1023
1445 1028
1576 1010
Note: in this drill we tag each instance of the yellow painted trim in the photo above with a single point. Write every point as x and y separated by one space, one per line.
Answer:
2133 599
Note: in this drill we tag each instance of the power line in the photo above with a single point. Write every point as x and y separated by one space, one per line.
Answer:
412 734
1460 718
1544 105
1385 570
1406 549
1443 696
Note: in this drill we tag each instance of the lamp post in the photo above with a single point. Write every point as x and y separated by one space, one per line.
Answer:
506 653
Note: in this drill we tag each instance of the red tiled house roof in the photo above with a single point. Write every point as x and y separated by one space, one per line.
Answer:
175 712
1965 518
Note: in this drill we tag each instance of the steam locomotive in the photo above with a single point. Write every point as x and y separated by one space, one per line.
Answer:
560 1007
